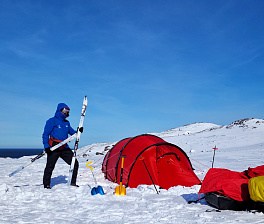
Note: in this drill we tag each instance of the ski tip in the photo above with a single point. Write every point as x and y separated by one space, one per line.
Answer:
85 101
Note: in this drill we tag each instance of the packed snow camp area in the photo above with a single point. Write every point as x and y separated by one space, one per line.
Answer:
234 147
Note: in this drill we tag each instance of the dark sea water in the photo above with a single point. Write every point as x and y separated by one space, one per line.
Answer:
19 152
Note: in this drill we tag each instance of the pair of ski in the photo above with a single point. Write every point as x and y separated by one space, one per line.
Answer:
77 135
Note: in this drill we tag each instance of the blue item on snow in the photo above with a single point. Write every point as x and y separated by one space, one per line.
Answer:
97 190
57 127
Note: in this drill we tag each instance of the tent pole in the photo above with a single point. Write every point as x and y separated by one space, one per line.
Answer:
150 176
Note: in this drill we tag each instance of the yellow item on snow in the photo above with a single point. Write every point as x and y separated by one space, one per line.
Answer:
121 190
89 165
256 188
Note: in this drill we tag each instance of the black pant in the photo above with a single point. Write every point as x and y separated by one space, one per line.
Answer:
66 155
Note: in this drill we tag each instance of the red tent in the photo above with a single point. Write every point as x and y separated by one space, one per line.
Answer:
167 165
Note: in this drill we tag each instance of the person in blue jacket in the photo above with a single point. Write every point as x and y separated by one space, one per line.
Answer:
56 130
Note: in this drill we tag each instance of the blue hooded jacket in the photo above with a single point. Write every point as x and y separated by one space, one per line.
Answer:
57 127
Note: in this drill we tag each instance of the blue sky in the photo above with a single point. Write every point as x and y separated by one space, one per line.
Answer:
146 66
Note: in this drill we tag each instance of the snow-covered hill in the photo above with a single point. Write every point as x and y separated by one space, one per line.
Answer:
23 199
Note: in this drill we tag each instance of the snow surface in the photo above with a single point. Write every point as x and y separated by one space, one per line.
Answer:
24 200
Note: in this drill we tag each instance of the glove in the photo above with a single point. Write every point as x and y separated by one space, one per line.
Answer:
47 150
81 129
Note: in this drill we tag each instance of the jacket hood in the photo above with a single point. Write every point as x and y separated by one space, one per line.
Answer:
61 106
58 111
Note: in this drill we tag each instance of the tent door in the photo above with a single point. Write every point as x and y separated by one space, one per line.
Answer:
170 172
